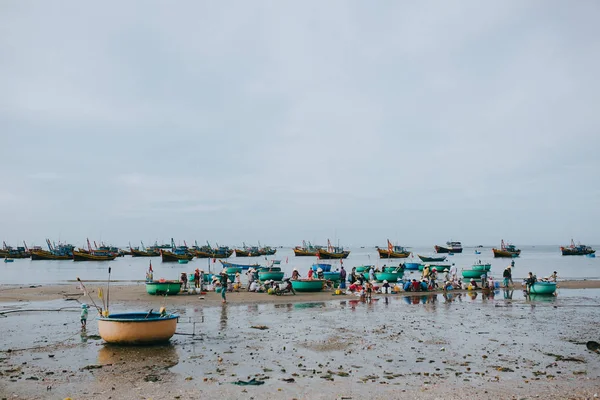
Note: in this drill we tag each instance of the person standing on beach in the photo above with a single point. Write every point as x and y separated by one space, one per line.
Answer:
184 280
342 278
197 279
372 273
453 271
84 315
295 274
507 275
224 279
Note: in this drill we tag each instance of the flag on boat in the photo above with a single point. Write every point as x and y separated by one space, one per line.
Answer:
214 260
390 246
150 269
318 256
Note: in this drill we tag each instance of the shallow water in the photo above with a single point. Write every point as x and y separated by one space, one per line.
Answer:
541 260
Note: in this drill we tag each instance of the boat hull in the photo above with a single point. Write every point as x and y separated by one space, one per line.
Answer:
388 276
481 267
169 256
543 288
499 253
141 253
46 255
80 256
472 274
412 266
136 329
442 249
326 255
161 288
308 285
392 254
363 268
241 266
438 268
332 276
270 275
574 252
305 253
432 259
324 267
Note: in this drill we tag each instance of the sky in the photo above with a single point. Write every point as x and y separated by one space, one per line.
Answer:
281 121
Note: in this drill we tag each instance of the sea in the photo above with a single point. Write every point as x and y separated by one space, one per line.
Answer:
542 260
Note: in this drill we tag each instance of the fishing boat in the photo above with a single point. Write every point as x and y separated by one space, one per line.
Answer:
432 258
481 266
308 285
137 328
451 247
389 276
143 251
506 250
94 255
576 250
177 253
393 251
399 268
332 252
333 276
8 260
362 268
266 251
11 252
437 267
323 266
477 252
54 252
265 275
247 251
162 287
211 252
306 250
244 267
543 288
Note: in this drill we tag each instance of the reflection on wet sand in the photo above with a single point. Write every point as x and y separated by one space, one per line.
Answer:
223 320
161 355
318 304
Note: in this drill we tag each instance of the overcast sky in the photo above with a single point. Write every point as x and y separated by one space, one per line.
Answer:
280 121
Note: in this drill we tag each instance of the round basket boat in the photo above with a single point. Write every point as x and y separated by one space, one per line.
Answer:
438 268
331 276
272 275
388 276
269 269
324 267
472 274
233 270
308 285
163 287
543 288
412 266
137 328
363 268
481 267
393 269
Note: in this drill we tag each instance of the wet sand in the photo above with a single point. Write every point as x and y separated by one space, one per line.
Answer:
317 346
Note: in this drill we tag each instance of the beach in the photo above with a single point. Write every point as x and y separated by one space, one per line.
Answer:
316 345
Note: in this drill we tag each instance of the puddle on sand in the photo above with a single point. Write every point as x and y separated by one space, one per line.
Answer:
404 340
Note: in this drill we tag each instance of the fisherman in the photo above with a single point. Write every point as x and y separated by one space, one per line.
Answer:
238 281
320 274
531 279
369 287
84 315
310 274
385 288
426 271
184 280
223 278
342 278
507 275
453 271
295 274
372 273
197 278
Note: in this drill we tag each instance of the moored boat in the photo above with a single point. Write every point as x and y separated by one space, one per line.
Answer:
333 276
137 328
94 255
389 276
393 251
412 265
270 275
332 252
472 273
432 258
506 250
267 251
143 251
247 251
543 288
54 252
227 264
306 250
323 266
451 247
481 266
308 285
576 250
162 287
437 267
362 268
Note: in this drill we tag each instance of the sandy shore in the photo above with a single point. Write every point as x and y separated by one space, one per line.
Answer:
136 293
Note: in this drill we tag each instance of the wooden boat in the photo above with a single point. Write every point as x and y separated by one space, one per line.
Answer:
11 252
95 255
578 250
451 247
472 273
432 258
210 252
233 270
242 267
393 251
143 251
267 269
481 267
332 252
389 276
247 252
8 260
49 255
183 261
412 265
267 251
362 268
506 250
308 285
170 256
270 275
137 328
543 288
397 269
163 287
306 250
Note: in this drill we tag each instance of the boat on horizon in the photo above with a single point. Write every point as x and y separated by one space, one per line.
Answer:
506 250
55 252
431 258
247 251
451 247
143 251
576 250
306 250
332 252
177 253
